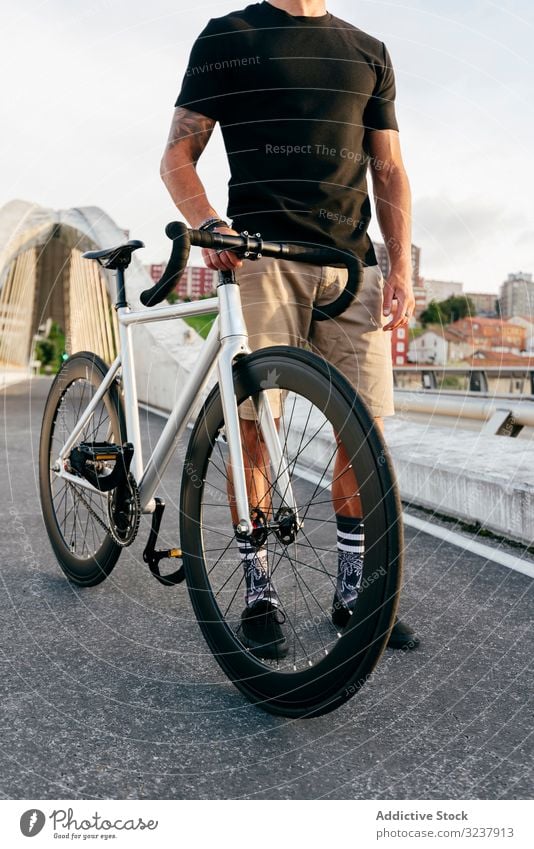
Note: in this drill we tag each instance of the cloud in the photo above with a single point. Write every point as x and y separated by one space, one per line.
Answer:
465 226
525 240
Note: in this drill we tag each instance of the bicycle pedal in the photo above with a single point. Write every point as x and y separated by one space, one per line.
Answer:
152 557
99 452
87 459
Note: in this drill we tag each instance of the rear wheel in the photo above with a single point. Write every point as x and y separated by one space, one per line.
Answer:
75 517
324 666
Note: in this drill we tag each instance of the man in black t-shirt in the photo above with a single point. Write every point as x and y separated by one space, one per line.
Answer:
305 102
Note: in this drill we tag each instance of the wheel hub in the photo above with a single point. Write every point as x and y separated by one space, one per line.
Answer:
287 525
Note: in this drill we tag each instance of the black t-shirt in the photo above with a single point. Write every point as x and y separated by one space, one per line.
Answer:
295 98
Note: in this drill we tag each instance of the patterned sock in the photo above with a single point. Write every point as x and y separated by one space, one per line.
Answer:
258 585
350 549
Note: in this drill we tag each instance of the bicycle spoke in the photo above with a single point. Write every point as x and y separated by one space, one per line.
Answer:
77 507
299 552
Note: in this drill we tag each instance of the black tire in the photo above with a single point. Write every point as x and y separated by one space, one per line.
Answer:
333 665
85 552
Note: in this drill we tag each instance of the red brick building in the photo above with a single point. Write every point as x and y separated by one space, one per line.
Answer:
490 333
195 282
399 346
156 270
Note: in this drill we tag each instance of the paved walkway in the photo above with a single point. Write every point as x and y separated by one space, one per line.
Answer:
9 376
111 692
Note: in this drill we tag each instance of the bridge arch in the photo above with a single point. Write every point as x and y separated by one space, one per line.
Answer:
43 277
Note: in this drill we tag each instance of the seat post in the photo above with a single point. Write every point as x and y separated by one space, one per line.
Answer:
121 290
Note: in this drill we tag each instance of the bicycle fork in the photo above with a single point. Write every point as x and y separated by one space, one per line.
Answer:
234 343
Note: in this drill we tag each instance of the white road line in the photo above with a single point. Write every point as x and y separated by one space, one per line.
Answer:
516 563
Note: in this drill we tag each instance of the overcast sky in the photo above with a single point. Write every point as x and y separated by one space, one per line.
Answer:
89 88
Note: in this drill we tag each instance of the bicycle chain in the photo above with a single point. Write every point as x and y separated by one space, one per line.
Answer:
123 543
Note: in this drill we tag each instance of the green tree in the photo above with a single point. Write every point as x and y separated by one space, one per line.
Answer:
457 307
50 351
447 311
432 314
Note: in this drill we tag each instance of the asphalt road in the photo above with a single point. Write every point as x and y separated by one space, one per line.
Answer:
111 692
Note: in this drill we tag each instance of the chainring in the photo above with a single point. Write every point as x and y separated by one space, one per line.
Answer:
124 518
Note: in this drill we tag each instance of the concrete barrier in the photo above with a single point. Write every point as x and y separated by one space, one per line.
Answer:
483 480
478 478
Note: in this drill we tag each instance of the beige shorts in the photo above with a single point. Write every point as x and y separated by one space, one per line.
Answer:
277 298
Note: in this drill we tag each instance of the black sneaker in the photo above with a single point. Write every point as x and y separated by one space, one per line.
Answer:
403 637
341 612
261 630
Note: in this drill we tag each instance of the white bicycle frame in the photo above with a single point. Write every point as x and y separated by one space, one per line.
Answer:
227 340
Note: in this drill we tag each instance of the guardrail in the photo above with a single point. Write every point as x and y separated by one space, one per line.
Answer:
503 380
502 416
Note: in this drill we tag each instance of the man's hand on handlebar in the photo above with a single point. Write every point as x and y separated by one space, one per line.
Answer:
226 255
225 260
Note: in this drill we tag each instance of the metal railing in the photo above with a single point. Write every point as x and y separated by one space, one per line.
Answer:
500 397
501 380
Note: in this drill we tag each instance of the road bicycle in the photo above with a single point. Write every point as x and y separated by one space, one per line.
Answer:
94 485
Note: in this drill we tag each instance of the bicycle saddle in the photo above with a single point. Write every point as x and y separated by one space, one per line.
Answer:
117 257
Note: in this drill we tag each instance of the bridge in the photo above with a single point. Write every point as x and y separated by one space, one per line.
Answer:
112 693
44 279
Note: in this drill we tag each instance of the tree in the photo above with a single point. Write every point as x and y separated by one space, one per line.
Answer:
447 311
457 307
432 314
50 351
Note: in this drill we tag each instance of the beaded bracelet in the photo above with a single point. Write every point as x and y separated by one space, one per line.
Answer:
210 223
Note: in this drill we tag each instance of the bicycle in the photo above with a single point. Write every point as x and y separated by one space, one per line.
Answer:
94 486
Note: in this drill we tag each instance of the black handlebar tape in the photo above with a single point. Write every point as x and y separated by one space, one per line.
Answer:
326 256
216 241
184 238
181 245
344 300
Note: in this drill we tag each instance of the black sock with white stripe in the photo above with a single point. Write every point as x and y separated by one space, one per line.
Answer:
350 548
258 585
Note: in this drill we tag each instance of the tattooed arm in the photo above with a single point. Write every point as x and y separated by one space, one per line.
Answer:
188 136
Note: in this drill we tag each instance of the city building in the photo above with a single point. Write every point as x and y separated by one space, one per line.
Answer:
420 299
440 290
195 282
485 303
490 333
416 266
155 270
469 337
419 292
528 325
500 358
439 346
399 346
382 259
430 347
517 295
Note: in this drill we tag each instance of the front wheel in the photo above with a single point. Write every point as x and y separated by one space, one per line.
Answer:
318 411
75 517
